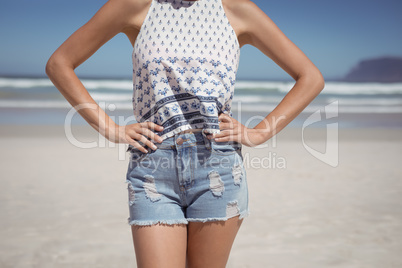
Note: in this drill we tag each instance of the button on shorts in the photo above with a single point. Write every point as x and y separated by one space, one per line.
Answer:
187 178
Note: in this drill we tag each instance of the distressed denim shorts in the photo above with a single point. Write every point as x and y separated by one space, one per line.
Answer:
187 178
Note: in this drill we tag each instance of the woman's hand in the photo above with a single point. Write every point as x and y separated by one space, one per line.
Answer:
133 133
233 130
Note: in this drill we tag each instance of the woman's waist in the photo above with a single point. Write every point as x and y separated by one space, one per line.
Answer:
192 130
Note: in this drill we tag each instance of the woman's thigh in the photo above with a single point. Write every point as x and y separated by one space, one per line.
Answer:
160 245
209 243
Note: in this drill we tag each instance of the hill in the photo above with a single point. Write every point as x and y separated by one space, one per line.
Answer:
383 70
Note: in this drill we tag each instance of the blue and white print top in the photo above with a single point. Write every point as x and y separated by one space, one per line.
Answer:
185 60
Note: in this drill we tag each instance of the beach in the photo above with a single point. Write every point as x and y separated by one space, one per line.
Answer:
65 206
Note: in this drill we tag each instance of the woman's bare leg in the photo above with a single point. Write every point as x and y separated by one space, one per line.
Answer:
160 245
209 243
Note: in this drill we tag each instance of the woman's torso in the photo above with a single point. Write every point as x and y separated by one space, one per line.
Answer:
185 60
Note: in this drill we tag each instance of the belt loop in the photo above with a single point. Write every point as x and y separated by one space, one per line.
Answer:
207 141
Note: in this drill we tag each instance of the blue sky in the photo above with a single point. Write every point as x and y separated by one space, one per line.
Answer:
336 35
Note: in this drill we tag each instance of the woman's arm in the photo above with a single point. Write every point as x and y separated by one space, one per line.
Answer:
114 17
258 30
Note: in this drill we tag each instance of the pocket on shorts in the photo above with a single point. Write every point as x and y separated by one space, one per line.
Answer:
225 148
137 154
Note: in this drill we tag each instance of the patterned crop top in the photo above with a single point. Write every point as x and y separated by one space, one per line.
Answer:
185 61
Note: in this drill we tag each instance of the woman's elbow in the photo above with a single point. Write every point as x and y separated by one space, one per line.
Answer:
320 81
315 79
55 65
50 67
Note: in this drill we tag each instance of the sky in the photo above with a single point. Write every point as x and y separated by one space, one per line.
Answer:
335 35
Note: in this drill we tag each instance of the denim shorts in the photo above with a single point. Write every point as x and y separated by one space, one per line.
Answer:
188 178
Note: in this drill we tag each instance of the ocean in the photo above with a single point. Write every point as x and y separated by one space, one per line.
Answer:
37 101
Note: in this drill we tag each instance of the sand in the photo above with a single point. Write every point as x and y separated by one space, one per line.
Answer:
63 206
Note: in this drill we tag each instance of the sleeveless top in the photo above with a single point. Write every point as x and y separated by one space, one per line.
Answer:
185 60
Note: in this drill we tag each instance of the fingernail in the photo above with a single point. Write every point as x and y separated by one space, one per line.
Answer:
154 147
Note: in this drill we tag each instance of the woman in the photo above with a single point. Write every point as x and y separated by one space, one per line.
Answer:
187 212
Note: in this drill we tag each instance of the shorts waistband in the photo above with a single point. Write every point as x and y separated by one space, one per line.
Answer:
193 137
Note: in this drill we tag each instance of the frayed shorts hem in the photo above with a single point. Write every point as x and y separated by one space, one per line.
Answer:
162 222
185 221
